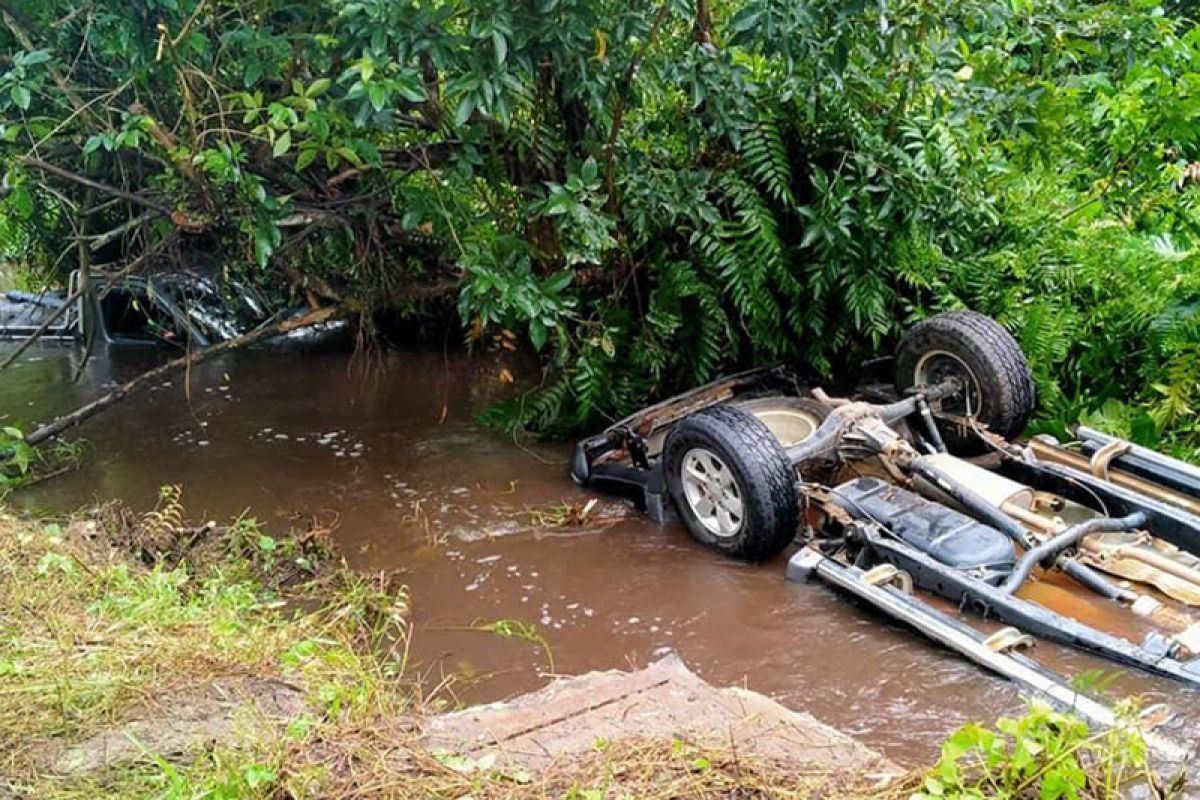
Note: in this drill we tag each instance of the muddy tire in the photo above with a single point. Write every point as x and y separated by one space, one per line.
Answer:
976 349
731 483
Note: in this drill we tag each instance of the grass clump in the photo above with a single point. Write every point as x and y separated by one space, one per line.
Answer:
114 621
628 769
22 465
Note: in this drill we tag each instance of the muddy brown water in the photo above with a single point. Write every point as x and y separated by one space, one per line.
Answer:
392 453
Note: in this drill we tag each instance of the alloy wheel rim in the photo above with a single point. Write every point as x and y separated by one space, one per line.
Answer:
712 493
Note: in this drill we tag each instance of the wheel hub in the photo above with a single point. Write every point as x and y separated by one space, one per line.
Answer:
937 366
712 492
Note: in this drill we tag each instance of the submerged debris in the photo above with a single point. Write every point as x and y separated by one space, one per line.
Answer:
162 536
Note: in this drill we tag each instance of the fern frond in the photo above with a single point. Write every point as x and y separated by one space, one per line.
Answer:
765 157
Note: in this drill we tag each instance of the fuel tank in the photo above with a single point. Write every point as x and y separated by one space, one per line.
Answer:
950 536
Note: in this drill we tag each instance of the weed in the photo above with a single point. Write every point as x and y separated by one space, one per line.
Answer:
1045 754
563 515
22 466
517 629
93 634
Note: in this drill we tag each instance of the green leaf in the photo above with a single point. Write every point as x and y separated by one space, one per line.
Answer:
22 454
608 346
257 775
254 71
306 157
747 18
409 87
463 112
349 155
559 281
34 57
501 46
318 88
282 144
589 171
20 97
537 333
21 200
266 237
559 203
377 95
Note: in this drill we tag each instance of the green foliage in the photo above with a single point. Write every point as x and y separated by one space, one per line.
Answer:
1045 754
649 195
14 453
22 465
90 632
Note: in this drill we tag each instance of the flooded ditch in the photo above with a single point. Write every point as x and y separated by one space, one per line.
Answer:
390 451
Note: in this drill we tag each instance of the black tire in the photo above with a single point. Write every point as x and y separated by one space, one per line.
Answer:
765 480
1002 396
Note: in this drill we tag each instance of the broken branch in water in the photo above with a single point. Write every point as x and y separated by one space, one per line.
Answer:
56 427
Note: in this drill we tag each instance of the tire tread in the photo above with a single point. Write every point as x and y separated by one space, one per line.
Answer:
1009 390
767 478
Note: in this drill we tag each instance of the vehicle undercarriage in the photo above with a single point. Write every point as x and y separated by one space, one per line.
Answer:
916 497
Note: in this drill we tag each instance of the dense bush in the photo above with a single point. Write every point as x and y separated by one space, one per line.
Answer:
647 193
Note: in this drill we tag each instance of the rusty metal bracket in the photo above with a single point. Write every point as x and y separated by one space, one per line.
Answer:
888 575
1103 457
1006 639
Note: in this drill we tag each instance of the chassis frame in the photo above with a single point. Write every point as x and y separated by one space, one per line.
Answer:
625 459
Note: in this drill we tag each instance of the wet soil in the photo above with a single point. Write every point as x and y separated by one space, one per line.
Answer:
173 726
390 452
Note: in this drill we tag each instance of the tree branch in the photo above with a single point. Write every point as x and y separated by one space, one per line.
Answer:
61 424
703 28
96 241
610 158
67 175
22 37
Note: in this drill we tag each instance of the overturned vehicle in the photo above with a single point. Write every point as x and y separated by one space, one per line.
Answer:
176 310
911 492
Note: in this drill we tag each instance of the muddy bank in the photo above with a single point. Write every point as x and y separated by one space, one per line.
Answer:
139 650
665 701
632 731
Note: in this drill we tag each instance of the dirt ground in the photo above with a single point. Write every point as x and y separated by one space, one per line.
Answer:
661 726
664 700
